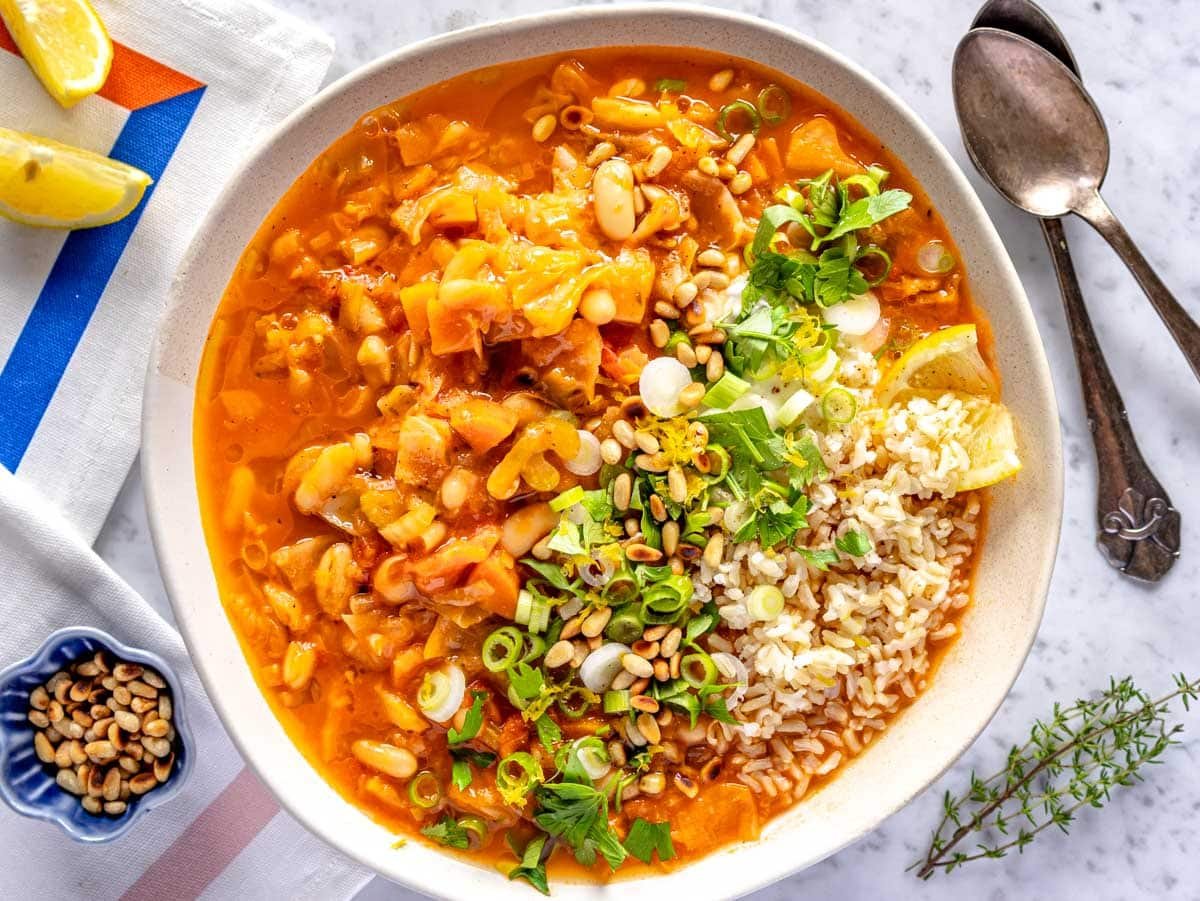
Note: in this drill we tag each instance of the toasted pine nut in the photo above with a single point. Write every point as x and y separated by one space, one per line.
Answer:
711 257
610 451
685 354
660 333
708 166
561 652
670 643
601 152
594 625
658 160
623 432
721 80
691 396
715 549
622 491
639 666
685 293
740 183
647 442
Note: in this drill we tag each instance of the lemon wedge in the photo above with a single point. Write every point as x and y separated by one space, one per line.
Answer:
45 183
64 42
991 447
945 360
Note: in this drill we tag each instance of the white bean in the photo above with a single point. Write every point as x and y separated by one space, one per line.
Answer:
612 197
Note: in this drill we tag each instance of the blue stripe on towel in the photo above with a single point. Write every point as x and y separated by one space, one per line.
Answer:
78 279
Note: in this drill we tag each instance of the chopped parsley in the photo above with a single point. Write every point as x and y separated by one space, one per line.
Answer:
472 722
448 832
854 543
531 867
645 839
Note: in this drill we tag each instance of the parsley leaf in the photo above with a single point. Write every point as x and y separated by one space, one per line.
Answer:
820 558
531 868
578 814
866 211
700 624
471 723
748 437
526 681
460 770
447 832
547 731
646 838
551 572
854 543
772 218
837 279
716 707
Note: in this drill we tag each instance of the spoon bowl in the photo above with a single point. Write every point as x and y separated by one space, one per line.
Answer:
1026 18
1028 123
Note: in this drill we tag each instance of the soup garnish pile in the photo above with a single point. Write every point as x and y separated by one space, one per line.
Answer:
590 452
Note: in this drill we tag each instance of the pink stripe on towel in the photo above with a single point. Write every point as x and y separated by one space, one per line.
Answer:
219 834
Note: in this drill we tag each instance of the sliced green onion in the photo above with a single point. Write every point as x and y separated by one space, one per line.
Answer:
524 606
745 108
539 615
517 774
874 250
625 626
838 406
869 185
792 408
424 790
441 693
725 391
567 498
474 825
534 647
718 460
774 104
698 670
673 85
878 174
576 701
616 701
765 602
621 587
502 648
934 258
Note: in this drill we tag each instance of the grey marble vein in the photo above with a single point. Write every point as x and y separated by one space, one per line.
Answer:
1139 57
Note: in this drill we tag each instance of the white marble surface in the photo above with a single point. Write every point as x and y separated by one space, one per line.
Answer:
1140 60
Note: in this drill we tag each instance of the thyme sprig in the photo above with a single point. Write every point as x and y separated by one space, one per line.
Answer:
1073 760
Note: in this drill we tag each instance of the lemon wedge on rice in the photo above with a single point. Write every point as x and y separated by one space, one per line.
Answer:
45 183
991 447
945 360
64 42
948 360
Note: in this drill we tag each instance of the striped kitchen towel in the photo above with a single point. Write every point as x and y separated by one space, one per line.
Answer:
193 83
223 836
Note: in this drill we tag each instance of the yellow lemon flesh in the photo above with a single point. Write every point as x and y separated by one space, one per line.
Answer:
945 360
45 183
64 42
991 448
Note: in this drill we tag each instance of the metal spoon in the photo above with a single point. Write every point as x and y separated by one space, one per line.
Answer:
1036 135
1126 487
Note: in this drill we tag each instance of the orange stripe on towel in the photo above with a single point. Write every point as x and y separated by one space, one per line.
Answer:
135 81
202 851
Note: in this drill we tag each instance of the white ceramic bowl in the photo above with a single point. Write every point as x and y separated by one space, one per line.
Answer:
1013 575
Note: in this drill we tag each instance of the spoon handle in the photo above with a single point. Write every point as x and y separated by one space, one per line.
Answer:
1138 529
1181 326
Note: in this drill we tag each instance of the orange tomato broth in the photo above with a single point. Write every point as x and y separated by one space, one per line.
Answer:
253 415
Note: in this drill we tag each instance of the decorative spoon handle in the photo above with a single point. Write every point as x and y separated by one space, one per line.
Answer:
1138 529
1182 327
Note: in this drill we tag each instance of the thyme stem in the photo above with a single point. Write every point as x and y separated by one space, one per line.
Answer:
1106 748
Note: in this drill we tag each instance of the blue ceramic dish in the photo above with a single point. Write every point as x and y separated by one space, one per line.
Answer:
27 785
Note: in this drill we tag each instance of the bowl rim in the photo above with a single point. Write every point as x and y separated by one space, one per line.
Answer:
158 491
39 661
